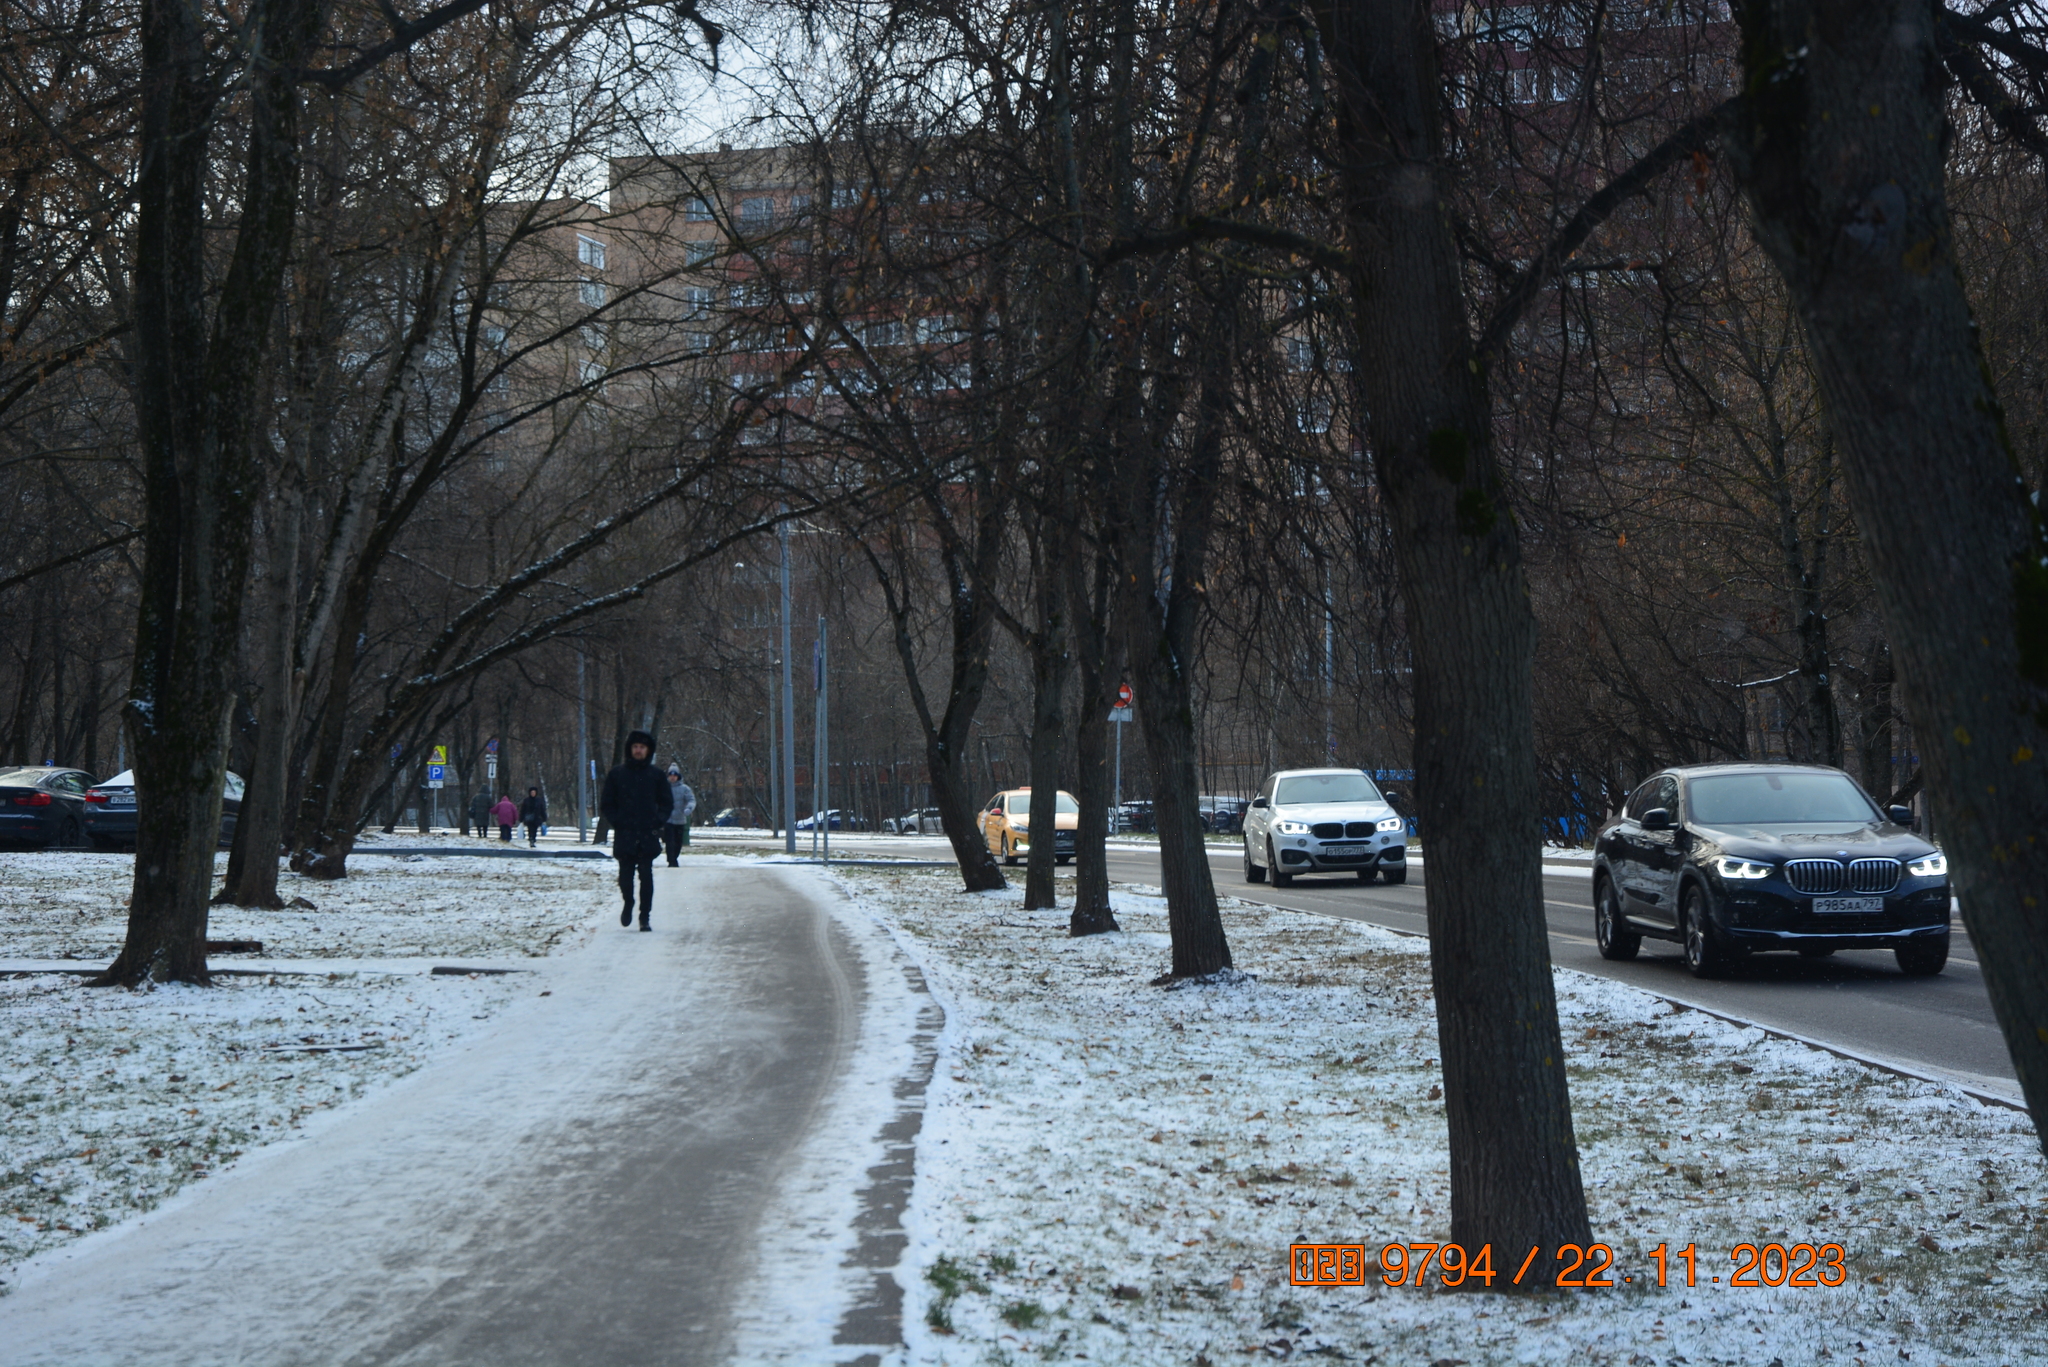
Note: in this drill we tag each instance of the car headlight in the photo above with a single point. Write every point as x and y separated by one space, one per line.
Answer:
1020 826
1294 828
1731 867
1929 866
1392 823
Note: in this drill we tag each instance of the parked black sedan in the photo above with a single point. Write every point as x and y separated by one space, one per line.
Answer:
110 811
1730 859
43 806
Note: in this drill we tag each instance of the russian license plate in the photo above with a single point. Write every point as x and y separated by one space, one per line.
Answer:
1342 851
1848 906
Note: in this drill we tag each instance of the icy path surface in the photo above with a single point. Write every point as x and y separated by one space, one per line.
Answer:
596 1179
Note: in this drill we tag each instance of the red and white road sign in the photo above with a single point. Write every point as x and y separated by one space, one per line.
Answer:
1123 695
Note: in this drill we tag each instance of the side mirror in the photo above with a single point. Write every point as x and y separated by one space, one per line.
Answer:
1657 819
1259 802
1902 816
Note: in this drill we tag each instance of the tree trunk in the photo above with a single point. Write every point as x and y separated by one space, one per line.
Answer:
1841 157
197 394
1101 676
1159 627
259 830
1050 664
1515 1179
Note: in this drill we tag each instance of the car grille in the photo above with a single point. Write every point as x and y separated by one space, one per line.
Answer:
1358 830
1814 875
1823 876
1328 830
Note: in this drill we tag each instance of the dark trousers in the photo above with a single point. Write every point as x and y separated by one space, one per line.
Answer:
504 833
673 838
532 833
635 850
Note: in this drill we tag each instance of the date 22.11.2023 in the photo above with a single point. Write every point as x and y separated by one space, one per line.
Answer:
1588 1267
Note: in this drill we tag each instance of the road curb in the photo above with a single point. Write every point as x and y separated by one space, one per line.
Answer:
1893 1067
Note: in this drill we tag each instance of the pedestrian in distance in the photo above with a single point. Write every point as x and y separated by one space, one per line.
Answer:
676 833
505 814
636 803
533 812
480 813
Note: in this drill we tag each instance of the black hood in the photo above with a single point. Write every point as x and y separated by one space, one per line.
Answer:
639 738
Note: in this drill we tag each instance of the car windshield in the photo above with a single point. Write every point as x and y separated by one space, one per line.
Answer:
1020 805
1320 788
1777 800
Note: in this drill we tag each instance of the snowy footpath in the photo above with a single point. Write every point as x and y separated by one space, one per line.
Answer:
683 1147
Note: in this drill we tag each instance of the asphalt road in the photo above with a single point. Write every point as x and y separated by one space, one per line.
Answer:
1856 1001
581 1185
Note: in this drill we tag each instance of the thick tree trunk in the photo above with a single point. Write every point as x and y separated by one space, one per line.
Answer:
1515 1179
197 394
1840 155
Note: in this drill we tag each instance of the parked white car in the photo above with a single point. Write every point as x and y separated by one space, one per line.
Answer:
1323 821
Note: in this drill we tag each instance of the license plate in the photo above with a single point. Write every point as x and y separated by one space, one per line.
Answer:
1851 906
1342 851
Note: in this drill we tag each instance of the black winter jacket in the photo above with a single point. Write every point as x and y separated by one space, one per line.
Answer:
534 810
636 795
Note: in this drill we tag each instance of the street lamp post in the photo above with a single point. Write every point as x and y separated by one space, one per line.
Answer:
788 707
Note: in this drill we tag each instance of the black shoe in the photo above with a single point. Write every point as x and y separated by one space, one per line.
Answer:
644 925
626 914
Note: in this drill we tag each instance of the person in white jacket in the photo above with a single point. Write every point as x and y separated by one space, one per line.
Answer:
676 833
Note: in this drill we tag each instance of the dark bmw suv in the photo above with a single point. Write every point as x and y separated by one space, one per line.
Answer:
1728 859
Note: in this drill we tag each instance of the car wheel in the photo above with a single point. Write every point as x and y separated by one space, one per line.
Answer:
1010 852
69 835
1280 880
1923 957
1063 859
1394 876
1705 955
1253 872
1815 951
1609 930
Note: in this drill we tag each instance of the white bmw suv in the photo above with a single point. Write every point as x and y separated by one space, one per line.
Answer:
1323 821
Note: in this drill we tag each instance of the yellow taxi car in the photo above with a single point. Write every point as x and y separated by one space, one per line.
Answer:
1006 825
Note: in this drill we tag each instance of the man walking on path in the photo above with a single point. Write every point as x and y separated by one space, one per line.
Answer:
636 804
676 833
534 812
505 814
480 812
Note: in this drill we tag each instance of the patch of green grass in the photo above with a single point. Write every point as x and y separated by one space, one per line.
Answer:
1024 1314
1002 1262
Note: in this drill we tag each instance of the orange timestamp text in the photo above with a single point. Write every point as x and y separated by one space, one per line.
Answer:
1582 1267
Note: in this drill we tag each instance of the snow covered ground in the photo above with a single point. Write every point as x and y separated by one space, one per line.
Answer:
111 1101
1113 1172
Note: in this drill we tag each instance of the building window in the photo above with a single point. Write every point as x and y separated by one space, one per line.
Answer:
591 373
698 252
590 252
883 332
757 210
699 298
938 330
592 293
593 337
696 209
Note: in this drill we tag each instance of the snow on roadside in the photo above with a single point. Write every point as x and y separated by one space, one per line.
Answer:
1114 1172
111 1100
74 905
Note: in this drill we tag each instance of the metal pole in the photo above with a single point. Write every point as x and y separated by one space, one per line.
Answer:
774 785
1119 766
824 751
582 755
788 707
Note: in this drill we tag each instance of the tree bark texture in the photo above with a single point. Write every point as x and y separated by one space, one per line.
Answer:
1515 1179
1840 154
1089 592
1050 666
197 394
